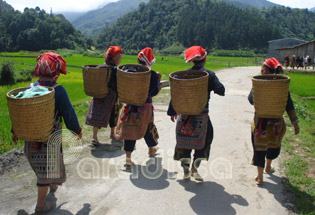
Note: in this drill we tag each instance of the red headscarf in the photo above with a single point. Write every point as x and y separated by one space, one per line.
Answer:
50 65
273 64
111 52
146 55
195 53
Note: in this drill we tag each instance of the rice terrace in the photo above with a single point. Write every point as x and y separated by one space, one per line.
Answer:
241 39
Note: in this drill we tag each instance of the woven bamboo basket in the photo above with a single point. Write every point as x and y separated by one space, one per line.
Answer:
32 118
270 95
96 80
189 91
133 87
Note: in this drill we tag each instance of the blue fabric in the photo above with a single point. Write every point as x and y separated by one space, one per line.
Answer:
32 92
154 84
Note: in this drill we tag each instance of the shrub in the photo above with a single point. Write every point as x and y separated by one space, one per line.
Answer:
24 75
7 74
233 53
173 50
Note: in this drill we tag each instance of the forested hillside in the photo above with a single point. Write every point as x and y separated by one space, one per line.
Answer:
294 23
212 24
161 23
91 23
35 30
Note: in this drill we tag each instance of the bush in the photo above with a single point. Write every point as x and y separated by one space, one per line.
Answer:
173 50
233 53
24 75
93 54
7 74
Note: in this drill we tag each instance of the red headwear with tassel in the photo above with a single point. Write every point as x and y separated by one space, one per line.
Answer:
195 53
146 55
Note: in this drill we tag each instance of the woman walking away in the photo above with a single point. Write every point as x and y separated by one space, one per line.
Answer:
197 55
48 68
131 115
104 111
267 133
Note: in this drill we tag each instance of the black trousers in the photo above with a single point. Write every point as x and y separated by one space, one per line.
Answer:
129 145
260 156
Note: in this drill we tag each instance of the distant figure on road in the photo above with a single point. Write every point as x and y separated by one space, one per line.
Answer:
267 133
197 55
292 61
286 61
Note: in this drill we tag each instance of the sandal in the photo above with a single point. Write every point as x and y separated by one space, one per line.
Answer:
186 176
272 170
258 181
153 150
197 177
96 143
53 188
129 164
47 207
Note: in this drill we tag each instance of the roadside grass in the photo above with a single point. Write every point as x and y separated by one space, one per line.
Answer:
300 150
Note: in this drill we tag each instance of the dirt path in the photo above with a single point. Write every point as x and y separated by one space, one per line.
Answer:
98 184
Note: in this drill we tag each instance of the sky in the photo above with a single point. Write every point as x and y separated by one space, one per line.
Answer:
86 5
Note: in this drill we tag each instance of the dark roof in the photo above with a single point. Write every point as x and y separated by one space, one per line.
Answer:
297 45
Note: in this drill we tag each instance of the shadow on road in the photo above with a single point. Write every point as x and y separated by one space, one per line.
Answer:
108 150
51 199
151 176
210 197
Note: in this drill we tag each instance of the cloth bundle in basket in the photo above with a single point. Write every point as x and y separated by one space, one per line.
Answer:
189 91
270 95
32 118
133 87
96 80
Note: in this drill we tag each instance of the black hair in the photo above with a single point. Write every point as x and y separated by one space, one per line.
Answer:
141 62
197 62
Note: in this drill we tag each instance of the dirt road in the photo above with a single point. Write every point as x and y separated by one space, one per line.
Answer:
98 184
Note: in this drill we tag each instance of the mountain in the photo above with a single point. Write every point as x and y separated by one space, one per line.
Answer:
260 4
72 16
161 23
92 22
312 9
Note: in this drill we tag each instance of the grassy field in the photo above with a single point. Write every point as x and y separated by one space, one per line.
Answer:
300 150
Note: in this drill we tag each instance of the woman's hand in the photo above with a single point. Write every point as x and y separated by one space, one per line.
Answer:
296 129
173 118
79 136
14 138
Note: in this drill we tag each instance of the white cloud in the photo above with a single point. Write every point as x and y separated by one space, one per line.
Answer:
58 5
295 3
